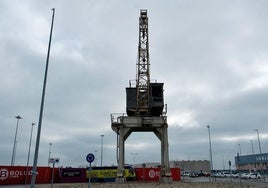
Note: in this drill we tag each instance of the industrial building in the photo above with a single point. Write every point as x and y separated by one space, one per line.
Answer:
192 166
189 166
254 162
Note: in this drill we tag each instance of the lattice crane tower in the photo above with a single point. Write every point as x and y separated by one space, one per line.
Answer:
143 66
144 107
146 99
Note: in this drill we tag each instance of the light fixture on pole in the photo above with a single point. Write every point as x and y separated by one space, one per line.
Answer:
15 142
258 139
210 151
29 151
101 148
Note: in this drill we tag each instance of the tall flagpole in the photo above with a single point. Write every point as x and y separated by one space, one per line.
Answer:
34 170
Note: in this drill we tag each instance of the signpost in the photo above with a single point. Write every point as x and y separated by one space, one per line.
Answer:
90 158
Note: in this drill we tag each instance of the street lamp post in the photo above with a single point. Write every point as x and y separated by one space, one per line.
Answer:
239 145
36 152
257 130
251 141
101 148
49 153
15 141
29 151
134 157
258 139
210 151
96 159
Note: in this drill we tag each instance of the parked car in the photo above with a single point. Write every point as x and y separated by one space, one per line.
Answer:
219 175
206 174
193 174
244 175
236 175
201 174
186 173
226 174
254 175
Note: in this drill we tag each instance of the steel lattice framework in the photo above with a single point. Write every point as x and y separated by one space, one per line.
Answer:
143 66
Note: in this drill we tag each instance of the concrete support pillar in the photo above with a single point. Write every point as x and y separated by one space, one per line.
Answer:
121 149
121 156
165 168
166 151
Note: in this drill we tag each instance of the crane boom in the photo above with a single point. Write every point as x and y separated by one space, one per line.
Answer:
143 66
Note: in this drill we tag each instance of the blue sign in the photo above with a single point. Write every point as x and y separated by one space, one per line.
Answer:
90 157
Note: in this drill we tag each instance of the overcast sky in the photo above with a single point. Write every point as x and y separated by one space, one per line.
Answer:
212 57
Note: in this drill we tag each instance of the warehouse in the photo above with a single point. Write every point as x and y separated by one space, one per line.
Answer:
255 162
192 166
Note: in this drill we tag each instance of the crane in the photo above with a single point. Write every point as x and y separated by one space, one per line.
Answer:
145 104
146 98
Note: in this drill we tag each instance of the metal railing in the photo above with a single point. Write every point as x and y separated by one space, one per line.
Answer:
117 117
